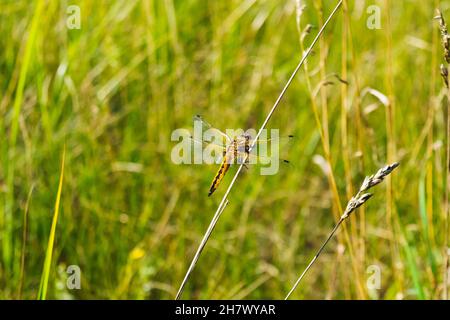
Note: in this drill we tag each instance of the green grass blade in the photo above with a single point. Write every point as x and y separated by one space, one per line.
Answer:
411 255
425 224
42 294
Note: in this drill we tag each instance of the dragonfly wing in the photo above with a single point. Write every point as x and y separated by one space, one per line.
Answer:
212 152
263 159
206 144
283 141
265 152
206 127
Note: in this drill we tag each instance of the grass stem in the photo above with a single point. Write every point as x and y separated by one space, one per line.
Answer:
42 294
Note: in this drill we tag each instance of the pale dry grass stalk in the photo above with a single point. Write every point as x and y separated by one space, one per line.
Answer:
359 130
269 115
355 202
429 133
445 37
392 218
323 54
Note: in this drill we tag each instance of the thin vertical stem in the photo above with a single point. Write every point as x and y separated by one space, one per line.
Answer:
446 196
391 214
431 108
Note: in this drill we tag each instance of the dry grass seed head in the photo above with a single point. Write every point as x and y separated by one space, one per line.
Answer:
378 177
445 38
360 198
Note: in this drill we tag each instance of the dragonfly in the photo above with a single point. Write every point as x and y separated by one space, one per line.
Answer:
233 149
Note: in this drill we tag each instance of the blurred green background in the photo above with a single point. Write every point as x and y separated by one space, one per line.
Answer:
114 90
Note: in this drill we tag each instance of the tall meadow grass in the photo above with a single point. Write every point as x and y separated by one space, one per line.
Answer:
114 90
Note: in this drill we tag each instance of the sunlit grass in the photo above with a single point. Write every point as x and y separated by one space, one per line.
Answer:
114 91
43 286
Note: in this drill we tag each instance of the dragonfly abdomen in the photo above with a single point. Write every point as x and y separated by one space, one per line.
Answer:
219 176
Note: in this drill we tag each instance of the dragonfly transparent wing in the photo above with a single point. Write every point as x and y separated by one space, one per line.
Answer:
206 127
207 144
266 150
213 151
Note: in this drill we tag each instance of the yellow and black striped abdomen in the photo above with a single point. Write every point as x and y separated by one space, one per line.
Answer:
219 176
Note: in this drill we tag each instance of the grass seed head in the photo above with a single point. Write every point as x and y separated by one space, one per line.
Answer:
378 177
445 38
361 197
354 203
